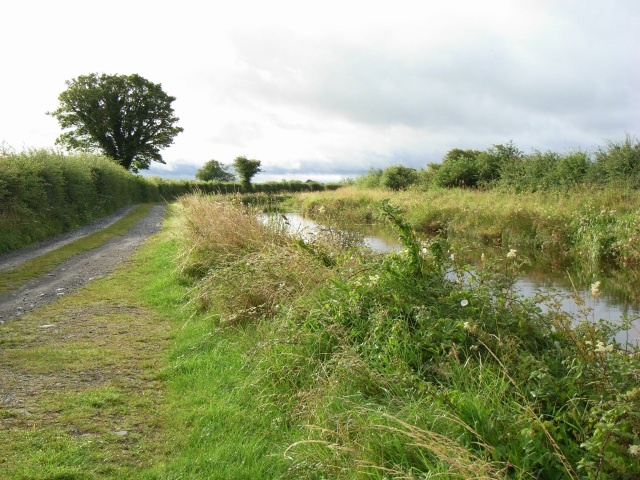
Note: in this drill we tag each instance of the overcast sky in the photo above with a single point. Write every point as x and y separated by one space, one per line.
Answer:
327 89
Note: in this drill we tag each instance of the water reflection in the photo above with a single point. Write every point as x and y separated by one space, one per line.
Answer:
377 239
607 307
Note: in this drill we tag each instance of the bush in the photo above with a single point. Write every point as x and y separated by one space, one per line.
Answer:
459 169
618 162
398 177
372 179
44 193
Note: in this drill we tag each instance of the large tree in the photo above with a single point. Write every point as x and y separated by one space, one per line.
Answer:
214 170
127 117
246 169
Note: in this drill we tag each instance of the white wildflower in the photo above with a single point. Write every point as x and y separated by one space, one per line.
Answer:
512 253
452 257
464 302
634 450
602 348
595 289
467 326
424 250
373 279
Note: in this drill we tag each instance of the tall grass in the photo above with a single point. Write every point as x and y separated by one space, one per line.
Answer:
245 266
597 226
407 366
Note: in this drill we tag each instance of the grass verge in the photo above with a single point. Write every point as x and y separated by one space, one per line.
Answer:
119 380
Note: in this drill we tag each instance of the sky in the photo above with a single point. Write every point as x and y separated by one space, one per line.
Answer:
327 90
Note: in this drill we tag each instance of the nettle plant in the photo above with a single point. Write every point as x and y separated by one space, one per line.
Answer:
569 405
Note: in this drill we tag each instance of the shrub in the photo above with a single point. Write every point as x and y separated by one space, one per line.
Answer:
44 193
372 179
618 162
398 177
459 169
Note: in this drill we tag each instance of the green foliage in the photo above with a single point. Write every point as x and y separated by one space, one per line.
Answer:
459 169
545 171
474 168
216 171
494 159
415 364
505 166
246 169
619 162
44 193
398 177
127 118
371 179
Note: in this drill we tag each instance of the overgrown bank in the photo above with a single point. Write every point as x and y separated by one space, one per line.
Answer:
393 367
312 359
599 227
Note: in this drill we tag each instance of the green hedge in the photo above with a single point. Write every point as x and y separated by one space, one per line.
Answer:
44 193
171 189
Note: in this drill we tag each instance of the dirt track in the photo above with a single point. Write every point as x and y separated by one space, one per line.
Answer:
77 271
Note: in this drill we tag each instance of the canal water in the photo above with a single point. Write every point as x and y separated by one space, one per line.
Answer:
605 307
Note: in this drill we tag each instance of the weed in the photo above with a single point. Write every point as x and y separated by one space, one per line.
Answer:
415 364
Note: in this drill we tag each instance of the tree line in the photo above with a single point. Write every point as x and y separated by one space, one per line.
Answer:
130 119
506 166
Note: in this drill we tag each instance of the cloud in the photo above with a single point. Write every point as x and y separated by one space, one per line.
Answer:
554 84
340 86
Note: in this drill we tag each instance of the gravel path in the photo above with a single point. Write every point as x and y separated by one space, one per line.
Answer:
16 257
78 270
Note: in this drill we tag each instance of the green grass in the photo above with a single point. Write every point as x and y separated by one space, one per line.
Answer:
385 367
127 384
365 367
17 276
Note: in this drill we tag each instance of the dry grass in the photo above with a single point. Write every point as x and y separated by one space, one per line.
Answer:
220 229
246 267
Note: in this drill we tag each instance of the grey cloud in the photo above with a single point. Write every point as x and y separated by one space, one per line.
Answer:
182 171
311 167
491 87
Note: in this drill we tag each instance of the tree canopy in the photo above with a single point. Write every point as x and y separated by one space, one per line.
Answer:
126 117
246 169
214 170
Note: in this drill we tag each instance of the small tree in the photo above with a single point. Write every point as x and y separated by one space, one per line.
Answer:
128 118
398 177
214 170
459 169
246 169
